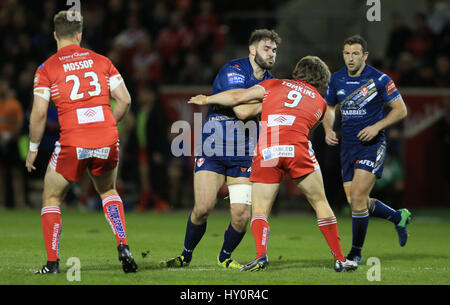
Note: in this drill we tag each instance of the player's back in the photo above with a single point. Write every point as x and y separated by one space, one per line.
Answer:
291 106
78 81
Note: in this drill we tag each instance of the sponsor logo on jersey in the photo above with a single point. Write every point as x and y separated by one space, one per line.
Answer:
235 78
280 119
354 112
341 92
72 56
90 115
390 87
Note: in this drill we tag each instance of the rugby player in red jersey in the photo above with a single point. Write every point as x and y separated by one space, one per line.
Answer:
80 83
291 109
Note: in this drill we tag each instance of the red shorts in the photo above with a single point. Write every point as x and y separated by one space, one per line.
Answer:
71 161
270 164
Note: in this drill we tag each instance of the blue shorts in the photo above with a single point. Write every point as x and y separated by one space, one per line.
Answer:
240 167
369 157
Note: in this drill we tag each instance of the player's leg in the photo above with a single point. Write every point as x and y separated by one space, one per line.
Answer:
376 155
206 186
103 173
312 187
55 189
263 196
239 189
362 183
105 185
400 218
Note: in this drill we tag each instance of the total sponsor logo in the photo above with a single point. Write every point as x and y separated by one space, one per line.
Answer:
73 56
366 162
200 161
354 112
113 213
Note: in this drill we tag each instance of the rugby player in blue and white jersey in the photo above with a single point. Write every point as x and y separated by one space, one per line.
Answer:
226 157
361 92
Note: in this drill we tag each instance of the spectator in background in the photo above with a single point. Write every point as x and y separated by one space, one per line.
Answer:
151 133
194 72
442 67
421 42
407 71
436 15
399 34
11 165
147 58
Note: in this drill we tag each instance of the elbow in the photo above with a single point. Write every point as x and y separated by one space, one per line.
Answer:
242 115
127 99
405 112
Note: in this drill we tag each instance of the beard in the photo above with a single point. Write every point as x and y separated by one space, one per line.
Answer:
355 68
262 63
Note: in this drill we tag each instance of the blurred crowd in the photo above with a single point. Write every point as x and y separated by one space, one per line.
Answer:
170 42
417 55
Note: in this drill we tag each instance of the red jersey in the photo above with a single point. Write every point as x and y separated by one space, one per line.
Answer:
79 82
291 106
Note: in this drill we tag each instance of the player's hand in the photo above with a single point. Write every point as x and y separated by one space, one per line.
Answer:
331 138
198 100
31 157
368 133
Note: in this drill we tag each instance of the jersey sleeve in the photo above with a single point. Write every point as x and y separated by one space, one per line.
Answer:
330 97
115 79
231 77
42 83
388 89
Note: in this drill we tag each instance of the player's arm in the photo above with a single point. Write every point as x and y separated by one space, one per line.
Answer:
328 123
330 115
38 119
246 111
232 97
123 101
398 112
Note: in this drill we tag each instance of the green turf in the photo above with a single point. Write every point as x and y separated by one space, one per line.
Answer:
297 251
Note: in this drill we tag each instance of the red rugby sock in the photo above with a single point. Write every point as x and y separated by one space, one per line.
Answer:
114 213
329 229
260 230
51 228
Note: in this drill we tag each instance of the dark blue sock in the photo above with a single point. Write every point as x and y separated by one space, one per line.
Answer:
194 234
379 209
360 222
231 240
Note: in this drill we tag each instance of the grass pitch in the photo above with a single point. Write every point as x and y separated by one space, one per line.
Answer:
298 252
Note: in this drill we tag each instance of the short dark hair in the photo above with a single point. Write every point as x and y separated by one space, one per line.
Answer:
356 39
312 70
66 27
263 34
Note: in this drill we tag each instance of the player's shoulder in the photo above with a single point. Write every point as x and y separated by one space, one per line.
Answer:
239 65
377 75
96 56
339 74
